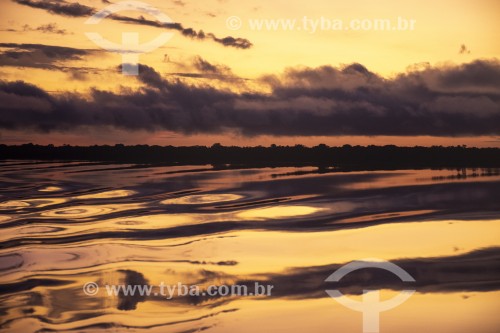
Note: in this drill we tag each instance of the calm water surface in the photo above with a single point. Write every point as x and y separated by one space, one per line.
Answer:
65 224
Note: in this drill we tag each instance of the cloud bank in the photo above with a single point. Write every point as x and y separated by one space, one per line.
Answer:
438 101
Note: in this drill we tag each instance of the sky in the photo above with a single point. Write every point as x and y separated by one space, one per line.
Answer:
249 73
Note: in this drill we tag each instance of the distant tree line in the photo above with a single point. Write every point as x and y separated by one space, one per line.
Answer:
347 156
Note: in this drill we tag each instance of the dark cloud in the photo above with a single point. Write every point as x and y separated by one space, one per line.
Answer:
22 89
59 7
351 100
49 50
476 75
81 73
149 76
49 28
240 43
206 67
71 9
48 57
200 68
463 49
39 55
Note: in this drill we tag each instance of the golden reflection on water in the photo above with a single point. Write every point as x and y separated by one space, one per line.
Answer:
257 253
374 217
195 255
13 204
34 203
50 189
157 221
84 211
271 251
202 199
277 212
4 218
436 313
274 251
107 194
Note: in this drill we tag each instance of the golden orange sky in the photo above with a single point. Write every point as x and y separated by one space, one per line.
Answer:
446 33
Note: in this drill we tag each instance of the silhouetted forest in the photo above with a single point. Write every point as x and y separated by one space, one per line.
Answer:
347 157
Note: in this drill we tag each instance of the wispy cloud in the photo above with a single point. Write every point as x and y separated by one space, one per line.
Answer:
71 9
39 55
48 57
59 7
49 28
202 68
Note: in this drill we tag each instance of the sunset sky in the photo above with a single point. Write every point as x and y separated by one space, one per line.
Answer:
222 79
